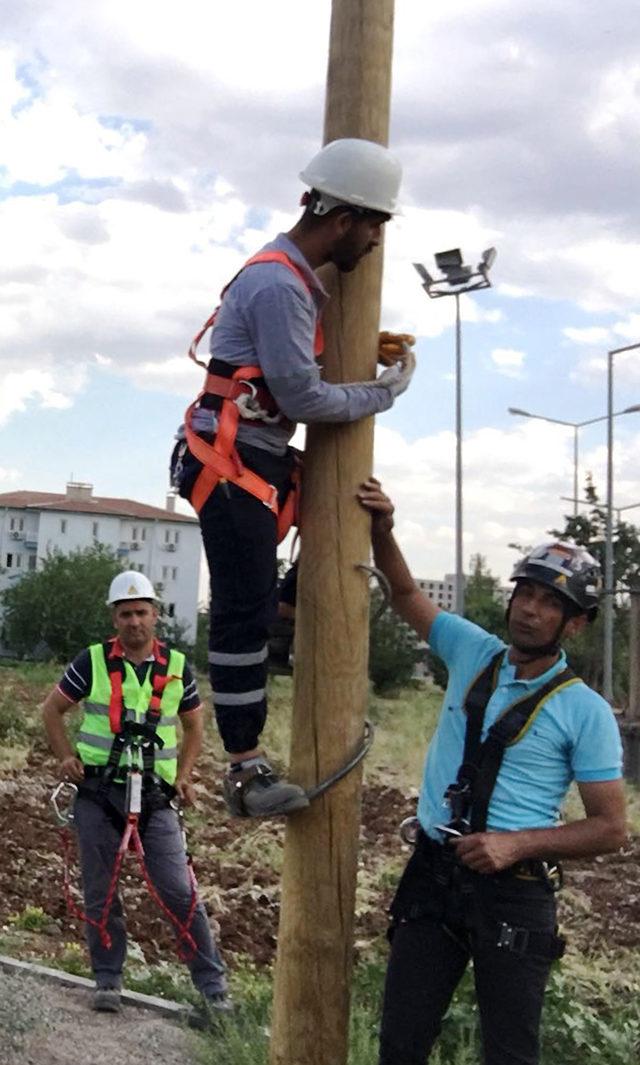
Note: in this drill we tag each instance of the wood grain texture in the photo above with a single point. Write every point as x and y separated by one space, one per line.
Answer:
314 963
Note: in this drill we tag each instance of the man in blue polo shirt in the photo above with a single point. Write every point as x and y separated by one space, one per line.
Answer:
480 883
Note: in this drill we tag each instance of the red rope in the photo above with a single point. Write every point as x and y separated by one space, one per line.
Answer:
131 841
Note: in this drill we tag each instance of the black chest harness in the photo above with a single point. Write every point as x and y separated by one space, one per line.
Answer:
470 794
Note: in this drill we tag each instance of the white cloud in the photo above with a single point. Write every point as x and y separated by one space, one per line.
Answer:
593 334
8 476
629 329
23 387
513 481
508 361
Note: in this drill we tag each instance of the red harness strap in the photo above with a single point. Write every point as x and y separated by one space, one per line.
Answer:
220 460
159 682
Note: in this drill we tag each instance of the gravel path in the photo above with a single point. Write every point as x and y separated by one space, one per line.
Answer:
43 1024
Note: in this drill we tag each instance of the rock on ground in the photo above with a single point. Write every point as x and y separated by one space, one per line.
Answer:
44 1024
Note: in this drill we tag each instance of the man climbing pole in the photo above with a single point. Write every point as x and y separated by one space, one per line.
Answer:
232 460
135 690
516 728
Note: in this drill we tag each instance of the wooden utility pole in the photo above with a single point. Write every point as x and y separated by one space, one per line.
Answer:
315 940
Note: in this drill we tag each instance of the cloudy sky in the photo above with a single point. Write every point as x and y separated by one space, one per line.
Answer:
147 148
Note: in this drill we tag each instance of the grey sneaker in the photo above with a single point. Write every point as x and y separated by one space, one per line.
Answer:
211 1011
107 1000
258 792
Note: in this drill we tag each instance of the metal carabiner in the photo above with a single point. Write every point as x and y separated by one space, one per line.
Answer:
409 830
65 817
249 406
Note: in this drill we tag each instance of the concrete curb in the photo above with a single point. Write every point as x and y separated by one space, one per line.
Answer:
176 1010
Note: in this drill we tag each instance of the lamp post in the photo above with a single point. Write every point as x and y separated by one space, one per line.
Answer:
609 578
575 426
457 279
589 503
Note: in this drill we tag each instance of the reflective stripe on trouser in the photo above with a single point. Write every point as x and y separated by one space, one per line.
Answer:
240 540
165 858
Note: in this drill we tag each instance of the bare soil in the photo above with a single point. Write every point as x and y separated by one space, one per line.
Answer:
237 867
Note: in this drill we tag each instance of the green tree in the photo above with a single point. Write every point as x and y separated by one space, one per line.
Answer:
62 605
200 655
585 652
483 604
393 649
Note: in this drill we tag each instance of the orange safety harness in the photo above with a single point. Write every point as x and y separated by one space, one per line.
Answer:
242 397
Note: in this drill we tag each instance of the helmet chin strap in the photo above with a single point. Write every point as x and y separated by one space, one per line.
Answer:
552 647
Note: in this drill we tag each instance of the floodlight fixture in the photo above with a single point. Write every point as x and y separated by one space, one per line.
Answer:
455 280
424 274
487 260
456 277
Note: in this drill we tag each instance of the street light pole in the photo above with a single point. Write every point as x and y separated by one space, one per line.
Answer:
457 279
575 426
459 590
575 470
609 576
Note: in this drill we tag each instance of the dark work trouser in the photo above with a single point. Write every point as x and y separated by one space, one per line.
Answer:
239 534
165 858
442 918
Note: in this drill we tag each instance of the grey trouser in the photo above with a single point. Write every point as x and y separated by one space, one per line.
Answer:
165 858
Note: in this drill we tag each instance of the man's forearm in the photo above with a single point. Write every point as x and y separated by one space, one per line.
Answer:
56 734
389 558
190 747
580 839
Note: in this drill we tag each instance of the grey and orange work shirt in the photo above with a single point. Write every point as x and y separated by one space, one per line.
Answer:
268 319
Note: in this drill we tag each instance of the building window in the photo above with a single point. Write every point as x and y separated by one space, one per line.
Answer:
12 524
63 525
94 530
171 610
134 532
143 534
32 561
9 561
167 534
18 561
174 573
176 538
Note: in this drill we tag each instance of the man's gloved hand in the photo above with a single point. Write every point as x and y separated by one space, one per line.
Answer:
391 346
398 377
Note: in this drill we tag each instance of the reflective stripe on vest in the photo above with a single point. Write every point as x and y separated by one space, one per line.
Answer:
95 738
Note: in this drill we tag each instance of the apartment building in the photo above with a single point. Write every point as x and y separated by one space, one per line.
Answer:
157 541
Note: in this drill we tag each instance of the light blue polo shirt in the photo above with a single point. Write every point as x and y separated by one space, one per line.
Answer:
574 736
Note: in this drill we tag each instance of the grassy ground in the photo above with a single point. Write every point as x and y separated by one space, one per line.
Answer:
593 1004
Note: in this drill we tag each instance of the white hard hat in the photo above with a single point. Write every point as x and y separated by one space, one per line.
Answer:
130 585
358 172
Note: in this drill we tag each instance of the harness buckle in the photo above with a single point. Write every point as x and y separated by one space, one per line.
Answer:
272 502
514 939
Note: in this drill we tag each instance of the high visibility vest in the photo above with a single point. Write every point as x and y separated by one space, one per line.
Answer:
96 738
